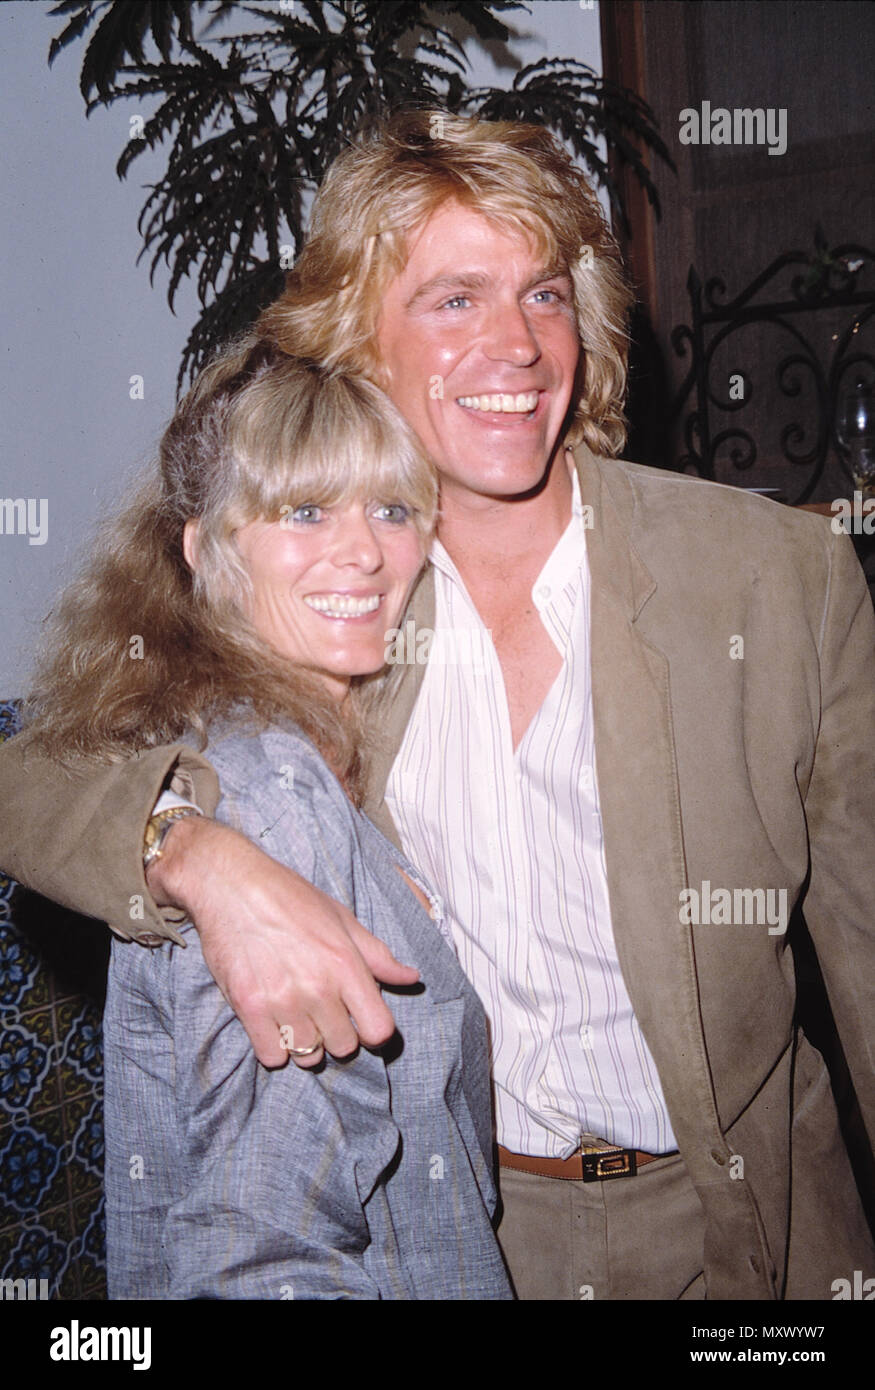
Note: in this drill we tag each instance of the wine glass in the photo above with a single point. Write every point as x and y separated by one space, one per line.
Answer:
856 433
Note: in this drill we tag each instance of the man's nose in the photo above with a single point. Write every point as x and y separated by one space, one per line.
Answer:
355 542
509 335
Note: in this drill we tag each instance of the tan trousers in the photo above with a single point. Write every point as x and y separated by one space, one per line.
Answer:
627 1238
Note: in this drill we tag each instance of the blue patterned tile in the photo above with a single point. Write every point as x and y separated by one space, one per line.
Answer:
79 1026
28 1163
51 1103
37 1254
24 1064
19 965
87 1145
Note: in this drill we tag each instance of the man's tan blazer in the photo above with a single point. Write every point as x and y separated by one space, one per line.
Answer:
733 671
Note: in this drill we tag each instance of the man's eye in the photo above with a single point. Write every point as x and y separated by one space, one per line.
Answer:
392 511
457 301
548 296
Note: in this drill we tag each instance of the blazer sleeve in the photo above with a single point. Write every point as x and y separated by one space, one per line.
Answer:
840 806
76 836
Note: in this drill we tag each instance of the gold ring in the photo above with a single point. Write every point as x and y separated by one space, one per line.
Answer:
286 1032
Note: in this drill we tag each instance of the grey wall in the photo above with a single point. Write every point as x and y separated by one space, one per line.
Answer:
80 317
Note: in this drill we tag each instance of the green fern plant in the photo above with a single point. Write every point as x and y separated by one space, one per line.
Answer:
254 118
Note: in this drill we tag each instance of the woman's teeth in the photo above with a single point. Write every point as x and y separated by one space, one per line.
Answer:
522 404
343 605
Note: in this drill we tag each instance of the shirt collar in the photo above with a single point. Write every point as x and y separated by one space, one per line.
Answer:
567 560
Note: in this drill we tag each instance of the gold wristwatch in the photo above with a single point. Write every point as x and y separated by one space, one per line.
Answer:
157 828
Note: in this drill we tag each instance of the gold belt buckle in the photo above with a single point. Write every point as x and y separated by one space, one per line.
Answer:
600 1164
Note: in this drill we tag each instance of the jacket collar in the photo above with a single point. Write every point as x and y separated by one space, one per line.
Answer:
614 563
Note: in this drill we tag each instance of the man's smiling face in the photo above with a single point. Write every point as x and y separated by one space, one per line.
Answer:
479 343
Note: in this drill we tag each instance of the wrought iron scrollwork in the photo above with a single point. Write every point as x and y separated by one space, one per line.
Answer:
813 371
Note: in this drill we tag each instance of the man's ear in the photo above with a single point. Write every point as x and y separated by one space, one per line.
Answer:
189 543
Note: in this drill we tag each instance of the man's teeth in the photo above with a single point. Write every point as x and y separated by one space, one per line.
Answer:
343 605
523 403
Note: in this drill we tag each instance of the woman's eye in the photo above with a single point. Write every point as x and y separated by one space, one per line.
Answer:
308 512
392 511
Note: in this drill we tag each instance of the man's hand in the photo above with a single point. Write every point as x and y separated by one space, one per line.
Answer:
282 953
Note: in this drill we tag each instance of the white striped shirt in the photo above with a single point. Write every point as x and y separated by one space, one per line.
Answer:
513 842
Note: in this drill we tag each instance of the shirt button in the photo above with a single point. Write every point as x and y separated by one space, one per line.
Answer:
544 591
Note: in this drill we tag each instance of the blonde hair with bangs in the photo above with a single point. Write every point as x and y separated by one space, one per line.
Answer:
387 184
259 434
297 433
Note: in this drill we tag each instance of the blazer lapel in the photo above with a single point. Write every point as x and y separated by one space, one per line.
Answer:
640 801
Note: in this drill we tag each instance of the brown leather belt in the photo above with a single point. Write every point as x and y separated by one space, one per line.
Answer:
595 1166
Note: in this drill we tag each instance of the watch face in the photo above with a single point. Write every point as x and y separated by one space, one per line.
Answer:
157 827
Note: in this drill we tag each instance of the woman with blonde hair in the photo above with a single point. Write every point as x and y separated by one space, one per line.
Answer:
241 603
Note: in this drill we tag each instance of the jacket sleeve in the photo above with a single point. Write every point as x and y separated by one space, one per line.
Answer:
278 1164
76 836
274 1174
840 806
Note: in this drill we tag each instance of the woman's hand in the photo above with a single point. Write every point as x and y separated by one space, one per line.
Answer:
284 954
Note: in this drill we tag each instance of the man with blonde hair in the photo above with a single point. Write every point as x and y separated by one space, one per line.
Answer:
667 685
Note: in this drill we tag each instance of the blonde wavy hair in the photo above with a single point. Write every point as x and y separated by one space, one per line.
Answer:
386 185
258 434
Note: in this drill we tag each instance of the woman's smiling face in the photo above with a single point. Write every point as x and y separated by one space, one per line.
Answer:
328 582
